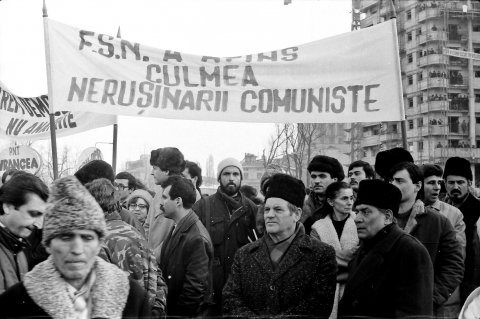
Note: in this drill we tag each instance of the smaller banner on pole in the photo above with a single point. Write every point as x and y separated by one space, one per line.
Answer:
28 118
89 154
352 77
21 157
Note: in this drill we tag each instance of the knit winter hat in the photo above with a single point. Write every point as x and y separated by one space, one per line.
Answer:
327 164
380 194
230 161
168 159
143 194
71 207
385 160
458 166
286 187
93 170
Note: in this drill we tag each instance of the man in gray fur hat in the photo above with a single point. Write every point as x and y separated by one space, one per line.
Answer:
74 282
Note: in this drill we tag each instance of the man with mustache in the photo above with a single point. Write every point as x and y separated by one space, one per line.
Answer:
358 171
23 202
229 218
458 178
323 171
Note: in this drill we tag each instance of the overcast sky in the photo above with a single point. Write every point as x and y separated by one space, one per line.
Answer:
202 27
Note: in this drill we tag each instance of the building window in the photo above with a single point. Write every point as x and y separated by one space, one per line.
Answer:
419 76
476 50
410 102
420 146
409 15
476 28
420 99
410 79
477 74
477 99
477 120
409 36
420 122
246 175
410 124
419 31
410 58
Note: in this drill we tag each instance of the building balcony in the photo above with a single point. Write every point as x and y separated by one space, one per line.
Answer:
432 106
371 140
391 137
432 36
463 85
428 13
476 37
370 20
469 153
429 130
432 59
476 83
367 3
432 83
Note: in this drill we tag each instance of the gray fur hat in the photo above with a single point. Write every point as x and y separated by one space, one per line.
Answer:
71 207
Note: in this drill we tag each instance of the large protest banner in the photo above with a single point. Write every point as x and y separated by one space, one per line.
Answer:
352 77
28 118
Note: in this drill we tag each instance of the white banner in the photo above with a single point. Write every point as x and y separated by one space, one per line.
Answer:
28 118
352 77
461 54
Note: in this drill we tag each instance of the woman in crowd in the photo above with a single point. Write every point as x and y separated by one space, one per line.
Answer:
138 203
338 229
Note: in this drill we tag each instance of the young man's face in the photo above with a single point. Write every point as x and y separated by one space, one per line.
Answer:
230 180
457 187
356 175
168 205
432 186
122 188
22 220
320 180
402 180
159 176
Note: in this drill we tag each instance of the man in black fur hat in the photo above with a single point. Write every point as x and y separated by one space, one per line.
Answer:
323 171
391 275
286 272
458 178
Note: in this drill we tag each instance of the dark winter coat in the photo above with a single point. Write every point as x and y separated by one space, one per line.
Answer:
186 263
437 234
392 277
303 284
13 262
228 233
470 209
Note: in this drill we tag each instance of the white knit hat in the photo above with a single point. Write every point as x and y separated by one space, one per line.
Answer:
229 161
71 207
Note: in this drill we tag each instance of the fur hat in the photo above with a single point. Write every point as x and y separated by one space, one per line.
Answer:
93 170
271 170
168 159
380 194
323 163
229 161
71 207
458 166
286 187
385 160
143 194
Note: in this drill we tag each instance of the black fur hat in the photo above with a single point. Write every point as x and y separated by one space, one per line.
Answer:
323 163
458 166
93 170
286 187
168 159
385 160
380 194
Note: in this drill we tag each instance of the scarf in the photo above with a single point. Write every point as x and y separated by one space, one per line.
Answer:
108 295
233 203
278 250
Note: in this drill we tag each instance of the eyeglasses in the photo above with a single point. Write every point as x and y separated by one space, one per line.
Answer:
140 206
121 186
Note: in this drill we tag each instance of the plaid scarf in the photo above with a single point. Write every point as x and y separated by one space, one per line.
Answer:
278 250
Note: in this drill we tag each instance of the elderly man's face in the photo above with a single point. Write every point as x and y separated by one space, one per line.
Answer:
369 220
74 255
279 220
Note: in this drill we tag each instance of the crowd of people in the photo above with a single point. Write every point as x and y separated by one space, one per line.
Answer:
389 240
